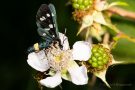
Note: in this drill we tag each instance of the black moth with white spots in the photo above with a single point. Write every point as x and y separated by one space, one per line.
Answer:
47 26
46 21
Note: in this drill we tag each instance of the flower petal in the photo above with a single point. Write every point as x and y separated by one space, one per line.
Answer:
78 75
81 51
38 61
64 41
52 82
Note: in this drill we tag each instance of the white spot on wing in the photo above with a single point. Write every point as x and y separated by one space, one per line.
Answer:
52 14
50 25
48 15
44 34
42 18
47 29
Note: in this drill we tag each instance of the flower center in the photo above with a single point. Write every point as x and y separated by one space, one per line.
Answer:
58 59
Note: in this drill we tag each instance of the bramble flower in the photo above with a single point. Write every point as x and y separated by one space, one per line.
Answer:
60 62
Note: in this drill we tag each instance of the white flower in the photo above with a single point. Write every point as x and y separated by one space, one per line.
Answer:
61 64
81 50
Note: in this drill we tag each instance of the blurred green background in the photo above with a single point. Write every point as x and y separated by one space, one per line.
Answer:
18 32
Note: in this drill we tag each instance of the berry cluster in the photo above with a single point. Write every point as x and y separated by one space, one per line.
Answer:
100 58
81 4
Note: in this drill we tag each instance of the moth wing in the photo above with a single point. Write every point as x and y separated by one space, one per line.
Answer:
45 21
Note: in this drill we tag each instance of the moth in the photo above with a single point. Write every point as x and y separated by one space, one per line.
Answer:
47 27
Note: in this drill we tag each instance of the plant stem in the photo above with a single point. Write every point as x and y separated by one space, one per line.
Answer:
92 81
122 12
106 39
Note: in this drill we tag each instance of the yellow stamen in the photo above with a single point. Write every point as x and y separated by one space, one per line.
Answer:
58 58
36 46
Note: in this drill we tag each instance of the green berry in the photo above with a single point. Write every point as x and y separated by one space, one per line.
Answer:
100 67
101 49
104 55
96 54
76 5
100 63
94 64
90 1
94 59
94 50
100 58
86 2
80 1
81 4
90 61
107 58
81 7
105 61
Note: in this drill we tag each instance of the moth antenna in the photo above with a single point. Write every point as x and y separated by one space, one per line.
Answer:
65 31
63 36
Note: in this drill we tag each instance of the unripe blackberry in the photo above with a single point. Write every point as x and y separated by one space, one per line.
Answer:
81 4
100 58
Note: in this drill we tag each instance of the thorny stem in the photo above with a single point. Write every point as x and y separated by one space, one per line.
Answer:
41 88
106 39
109 44
92 81
122 12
